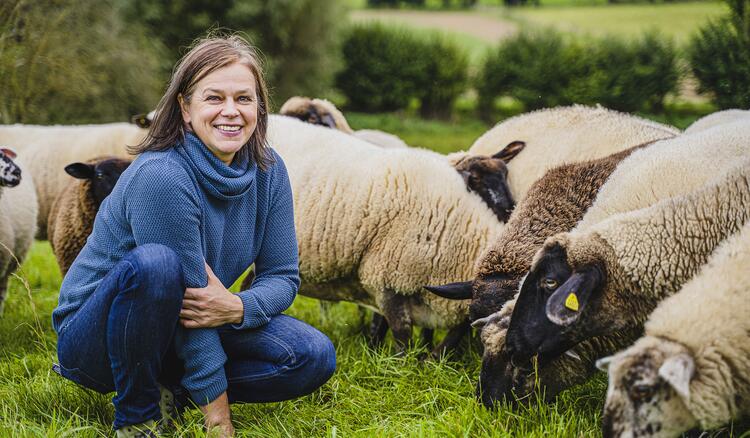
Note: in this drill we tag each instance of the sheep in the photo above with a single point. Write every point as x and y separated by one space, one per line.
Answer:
554 204
19 208
691 368
665 169
47 149
71 218
592 289
374 225
562 135
718 118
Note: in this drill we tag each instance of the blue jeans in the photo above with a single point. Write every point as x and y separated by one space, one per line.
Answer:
121 340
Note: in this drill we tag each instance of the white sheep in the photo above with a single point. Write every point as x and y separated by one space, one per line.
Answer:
374 225
561 135
323 112
46 150
718 118
692 367
593 289
19 208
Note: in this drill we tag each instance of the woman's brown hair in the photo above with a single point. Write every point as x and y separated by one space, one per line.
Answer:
205 56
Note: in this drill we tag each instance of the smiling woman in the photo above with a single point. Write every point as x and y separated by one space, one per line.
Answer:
144 310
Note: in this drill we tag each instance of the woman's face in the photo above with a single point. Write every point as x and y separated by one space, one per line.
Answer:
223 110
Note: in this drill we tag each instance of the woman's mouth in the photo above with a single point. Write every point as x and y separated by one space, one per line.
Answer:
229 130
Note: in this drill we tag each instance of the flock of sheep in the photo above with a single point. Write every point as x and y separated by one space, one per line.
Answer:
564 235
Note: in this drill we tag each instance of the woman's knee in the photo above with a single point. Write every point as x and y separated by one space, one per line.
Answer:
158 269
318 357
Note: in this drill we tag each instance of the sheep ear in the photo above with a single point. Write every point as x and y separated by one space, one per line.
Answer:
141 120
10 153
567 303
510 151
677 371
328 121
452 291
603 363
80 170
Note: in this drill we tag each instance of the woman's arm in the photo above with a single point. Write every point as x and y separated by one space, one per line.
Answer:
277 264
162 206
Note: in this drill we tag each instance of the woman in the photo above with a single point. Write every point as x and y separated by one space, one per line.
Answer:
143 310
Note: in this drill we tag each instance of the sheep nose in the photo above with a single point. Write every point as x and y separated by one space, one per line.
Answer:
16 172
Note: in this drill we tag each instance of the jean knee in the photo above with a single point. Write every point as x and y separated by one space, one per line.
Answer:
159 270
320 357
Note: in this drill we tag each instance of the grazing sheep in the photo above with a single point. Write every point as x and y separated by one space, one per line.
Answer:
71 218
19 208
562 135
374 224
666 169
554 204
692 368
599 285
718 118
47 149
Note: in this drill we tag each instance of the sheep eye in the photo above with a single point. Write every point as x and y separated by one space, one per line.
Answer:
549 283
641 392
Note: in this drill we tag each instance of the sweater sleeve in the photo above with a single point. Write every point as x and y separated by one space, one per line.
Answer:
277 264
162 207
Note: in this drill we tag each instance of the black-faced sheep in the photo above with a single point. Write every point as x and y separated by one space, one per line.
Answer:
374 224
562 135
71 218
47 149
18 225
692 368
602 283
665 169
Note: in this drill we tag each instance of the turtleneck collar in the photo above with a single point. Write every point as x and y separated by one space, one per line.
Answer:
221 181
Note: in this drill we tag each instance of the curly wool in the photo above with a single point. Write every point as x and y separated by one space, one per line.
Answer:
382 220
564 135
70 222
19 209
718 118
709 317
48 149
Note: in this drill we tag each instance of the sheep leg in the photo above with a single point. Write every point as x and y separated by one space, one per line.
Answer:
426 338
378 330
395 311
3 293
451 340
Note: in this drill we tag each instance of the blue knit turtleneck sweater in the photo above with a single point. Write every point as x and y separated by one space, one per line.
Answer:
229 216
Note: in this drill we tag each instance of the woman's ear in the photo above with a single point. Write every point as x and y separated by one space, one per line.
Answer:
183 109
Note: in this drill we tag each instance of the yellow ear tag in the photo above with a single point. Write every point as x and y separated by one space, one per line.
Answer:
572 302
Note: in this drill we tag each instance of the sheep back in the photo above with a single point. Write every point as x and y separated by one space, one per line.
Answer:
564 135
718 118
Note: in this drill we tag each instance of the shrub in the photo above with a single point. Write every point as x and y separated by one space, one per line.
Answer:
549 69
719 56
299 38
380 72
65 61
445 77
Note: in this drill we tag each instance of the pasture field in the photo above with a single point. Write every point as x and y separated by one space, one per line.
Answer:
372 393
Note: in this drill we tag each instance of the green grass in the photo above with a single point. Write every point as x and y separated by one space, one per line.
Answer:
676 20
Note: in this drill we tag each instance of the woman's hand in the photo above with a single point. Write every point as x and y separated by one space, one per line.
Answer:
210 306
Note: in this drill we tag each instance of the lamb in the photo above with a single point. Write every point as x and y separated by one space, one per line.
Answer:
595 287
718 118
374 225
47 149
562 135
691 368
71 218
19 208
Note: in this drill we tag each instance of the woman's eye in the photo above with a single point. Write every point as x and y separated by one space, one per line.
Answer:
549 283
245 99
213 98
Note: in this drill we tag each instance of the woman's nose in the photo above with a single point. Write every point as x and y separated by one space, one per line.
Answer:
230 108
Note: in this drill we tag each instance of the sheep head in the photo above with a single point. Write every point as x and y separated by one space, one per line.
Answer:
103 174
316 112
10 173
649 390
488 177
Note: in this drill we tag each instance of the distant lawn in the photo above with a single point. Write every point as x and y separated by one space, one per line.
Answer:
677 20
